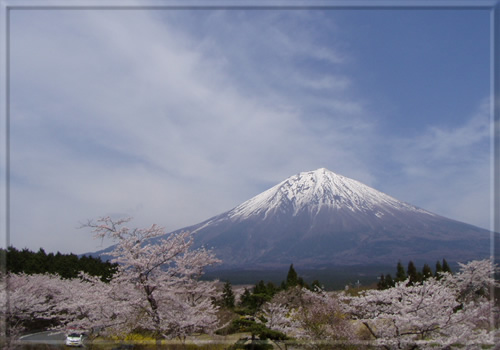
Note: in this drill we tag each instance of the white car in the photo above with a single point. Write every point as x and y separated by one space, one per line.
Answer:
74 339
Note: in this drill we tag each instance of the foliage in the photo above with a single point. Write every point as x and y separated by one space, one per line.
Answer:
385 282
49 301
64 265
228 297
250 325
454 309
412 274
292 279
161 274
426 272
252 300
310 316
259 333
156 289
400 272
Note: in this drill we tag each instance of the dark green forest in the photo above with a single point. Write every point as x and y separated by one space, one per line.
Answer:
65 265
412 274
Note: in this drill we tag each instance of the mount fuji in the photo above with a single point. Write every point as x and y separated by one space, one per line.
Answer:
319 219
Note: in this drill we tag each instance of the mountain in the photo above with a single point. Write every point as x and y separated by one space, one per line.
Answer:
319 218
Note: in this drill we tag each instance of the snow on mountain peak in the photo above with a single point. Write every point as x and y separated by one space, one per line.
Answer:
314 190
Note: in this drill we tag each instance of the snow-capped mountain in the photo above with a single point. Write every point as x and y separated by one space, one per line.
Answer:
318 190
320 218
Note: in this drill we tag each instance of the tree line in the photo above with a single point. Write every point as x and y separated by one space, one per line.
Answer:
412 274
252 299
64 265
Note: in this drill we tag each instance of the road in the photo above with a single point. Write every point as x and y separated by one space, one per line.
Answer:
48 337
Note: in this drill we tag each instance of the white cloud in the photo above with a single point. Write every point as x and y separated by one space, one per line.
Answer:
123 112
447 169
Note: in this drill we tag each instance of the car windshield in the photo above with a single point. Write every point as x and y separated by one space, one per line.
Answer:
74 335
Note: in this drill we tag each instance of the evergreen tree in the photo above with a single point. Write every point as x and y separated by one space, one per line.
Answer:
245 298
260 288
400 273
389 282
259 333
261 293
426 272
228 296
292 277
271 288
65 265
446 267
439 269
385 282
412 273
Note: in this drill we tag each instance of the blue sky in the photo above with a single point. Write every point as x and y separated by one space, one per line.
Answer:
173 116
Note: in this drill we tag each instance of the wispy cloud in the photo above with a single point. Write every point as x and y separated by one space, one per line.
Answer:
127 112
447 169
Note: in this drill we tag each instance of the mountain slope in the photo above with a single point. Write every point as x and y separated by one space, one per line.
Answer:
319 218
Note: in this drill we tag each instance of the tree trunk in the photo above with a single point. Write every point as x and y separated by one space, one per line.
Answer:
154 311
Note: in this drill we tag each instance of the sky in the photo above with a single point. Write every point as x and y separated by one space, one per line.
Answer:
174 116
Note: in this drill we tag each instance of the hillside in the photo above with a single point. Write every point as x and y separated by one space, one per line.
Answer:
319 218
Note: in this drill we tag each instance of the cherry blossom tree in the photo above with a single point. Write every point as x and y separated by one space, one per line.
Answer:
30 298
157 287
58 304
322 317
316 317
163 273
436 313
281 318
189 309
90 304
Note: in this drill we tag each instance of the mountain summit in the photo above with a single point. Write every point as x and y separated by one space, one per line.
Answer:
319 218
317 191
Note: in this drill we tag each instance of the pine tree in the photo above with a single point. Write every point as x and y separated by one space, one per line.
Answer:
400 273
412 273
228 296
389 281
292 278
245 299
260 288
439 269
446 267
65 265
271 288
426 272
